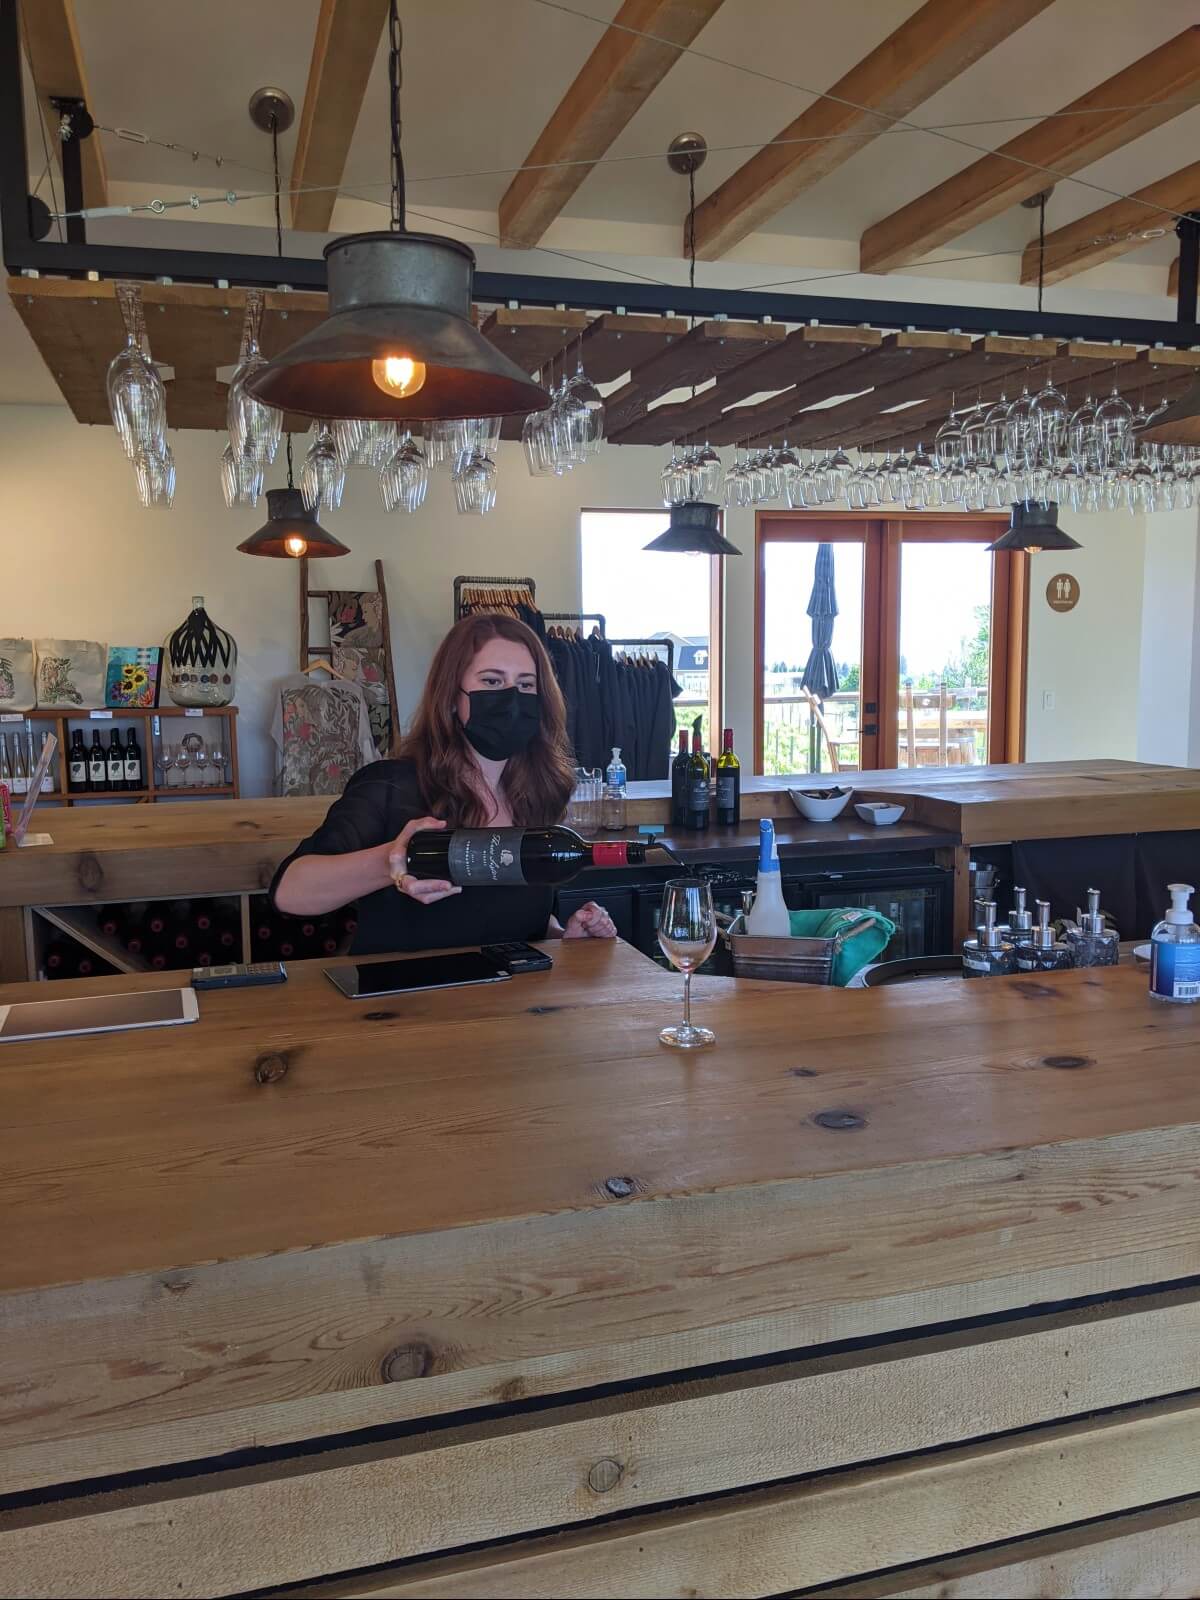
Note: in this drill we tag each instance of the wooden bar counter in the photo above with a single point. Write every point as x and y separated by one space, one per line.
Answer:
485 1292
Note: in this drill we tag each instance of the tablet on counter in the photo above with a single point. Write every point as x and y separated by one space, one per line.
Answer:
422 972
97 1013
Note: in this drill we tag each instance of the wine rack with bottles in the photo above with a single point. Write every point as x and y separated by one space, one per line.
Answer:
179 934
157 759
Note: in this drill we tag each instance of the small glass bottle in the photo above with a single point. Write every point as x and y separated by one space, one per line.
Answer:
1093 944
1175 951
1038 950
988 954
612 806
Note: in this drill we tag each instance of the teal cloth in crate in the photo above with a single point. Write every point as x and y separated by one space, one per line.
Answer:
865 944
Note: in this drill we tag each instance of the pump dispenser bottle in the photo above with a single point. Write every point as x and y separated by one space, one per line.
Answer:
1175 951
1038 951
988 954
1092 943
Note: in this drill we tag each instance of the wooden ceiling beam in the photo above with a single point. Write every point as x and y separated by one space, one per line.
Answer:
1115 229
534 336
344 49
708 351
935 44
51 42
615 80
617 342
1142 96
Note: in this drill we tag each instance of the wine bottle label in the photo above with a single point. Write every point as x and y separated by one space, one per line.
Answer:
698 794
133 770
726 791
485 855
610 855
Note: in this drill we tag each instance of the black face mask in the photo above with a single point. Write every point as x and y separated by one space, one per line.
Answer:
502 721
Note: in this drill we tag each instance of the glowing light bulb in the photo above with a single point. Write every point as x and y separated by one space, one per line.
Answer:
295 545
398 375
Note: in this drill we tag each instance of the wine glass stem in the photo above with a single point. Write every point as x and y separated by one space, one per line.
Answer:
687 998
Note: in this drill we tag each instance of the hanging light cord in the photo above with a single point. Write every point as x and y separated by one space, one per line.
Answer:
1041 246
291 481
395 77
278 213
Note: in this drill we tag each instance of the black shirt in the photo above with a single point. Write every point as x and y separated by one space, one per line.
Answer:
378 801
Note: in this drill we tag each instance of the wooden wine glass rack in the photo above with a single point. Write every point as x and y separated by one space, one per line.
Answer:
62 721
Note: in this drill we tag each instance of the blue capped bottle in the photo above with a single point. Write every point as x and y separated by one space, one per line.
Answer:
768 917
1175 951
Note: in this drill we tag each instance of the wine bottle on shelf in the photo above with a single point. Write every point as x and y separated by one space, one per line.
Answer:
202 957
134 773
97 766
109 919
20 777
31 761
55 960
115 762
729 784
6 772
679 782
697 786
77 764
473 857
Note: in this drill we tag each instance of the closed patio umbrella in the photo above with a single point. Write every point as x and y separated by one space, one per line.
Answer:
820 672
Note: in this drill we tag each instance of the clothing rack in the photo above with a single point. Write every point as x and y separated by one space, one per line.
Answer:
641 646
578 618
522 590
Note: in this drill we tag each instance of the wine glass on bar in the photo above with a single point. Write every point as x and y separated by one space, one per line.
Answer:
687 932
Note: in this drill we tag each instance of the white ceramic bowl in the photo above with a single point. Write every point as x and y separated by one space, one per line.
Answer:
879 812
820 810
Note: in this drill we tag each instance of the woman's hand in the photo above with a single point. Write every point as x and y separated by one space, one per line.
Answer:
424 890
590 922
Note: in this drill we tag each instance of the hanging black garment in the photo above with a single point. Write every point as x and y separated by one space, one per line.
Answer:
660 722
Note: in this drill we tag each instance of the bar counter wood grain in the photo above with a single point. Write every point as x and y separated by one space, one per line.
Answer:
304 1218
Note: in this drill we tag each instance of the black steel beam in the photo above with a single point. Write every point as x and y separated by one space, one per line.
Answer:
1188 229
24 253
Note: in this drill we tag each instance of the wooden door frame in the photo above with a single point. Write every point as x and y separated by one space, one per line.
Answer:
882 538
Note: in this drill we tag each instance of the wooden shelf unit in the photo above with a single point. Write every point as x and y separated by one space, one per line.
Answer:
62 721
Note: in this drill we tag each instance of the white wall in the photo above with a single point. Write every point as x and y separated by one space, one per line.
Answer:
1088 659
81 559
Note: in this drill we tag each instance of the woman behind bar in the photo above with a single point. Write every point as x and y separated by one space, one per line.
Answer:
487 748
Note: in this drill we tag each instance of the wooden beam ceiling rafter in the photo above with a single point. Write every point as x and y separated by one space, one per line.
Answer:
1142 96
51 42
615 80
532 336
1115 229
345 45
922 55
616 342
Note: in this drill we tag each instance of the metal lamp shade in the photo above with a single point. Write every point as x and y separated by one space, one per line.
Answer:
1180 423
1034 528
695 529
289 518
397 294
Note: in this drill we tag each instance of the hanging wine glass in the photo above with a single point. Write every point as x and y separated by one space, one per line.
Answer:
404 481
322 477
241 478
254 428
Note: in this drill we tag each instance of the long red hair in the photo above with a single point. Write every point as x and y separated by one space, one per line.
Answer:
537 781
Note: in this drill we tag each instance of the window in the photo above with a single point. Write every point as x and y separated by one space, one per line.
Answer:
647 595
886 642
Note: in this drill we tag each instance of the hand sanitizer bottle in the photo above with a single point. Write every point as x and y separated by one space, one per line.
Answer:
612 802
988 954
1019 926
768 918
1175 951
615 773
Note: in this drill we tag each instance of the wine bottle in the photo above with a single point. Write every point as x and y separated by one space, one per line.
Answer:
6 771
729 784
109 921
20 776
54 962
133 761
48 775
97 766
697 786
679 782
115 762
77 764
473 857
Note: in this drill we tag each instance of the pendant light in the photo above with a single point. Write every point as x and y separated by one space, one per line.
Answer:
291 530
1035 527
694 529
399 343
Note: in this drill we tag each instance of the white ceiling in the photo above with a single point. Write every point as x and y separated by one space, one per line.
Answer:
481 77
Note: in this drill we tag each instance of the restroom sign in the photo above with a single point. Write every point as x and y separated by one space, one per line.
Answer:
1062 592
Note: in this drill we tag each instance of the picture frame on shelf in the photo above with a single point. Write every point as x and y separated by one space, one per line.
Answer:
133 677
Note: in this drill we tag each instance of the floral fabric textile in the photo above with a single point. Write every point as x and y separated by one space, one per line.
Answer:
70 673
17 691
356 617
368 669
323 734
